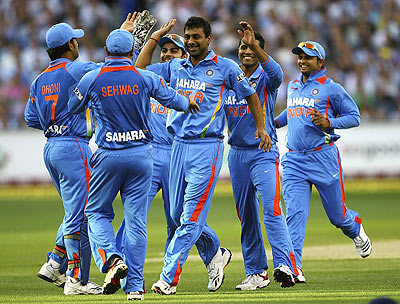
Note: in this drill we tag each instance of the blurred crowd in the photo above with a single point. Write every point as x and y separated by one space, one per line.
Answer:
361 38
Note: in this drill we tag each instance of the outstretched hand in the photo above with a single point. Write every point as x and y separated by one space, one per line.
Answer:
246 33
129 22
164 29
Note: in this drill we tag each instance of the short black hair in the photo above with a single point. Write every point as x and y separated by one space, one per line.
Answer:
198 22
57 52
259 38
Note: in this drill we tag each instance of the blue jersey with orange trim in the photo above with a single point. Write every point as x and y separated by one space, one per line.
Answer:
208 82
119 95
159 114
266 79
329 98
47 108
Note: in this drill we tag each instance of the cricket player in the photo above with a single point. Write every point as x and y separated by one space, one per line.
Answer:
66 155
254 172
171 47
316 105
118 95
197 149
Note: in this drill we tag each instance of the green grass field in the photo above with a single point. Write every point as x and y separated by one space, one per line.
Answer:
29 218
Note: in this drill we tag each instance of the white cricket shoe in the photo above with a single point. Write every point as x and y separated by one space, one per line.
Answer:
300 278
50 273
216 268
74 287
254 281
163 288
135 295
117 271
283 275
363 243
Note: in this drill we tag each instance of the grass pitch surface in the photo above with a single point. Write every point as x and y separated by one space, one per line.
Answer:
29 218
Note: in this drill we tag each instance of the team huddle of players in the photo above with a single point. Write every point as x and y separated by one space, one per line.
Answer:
160 126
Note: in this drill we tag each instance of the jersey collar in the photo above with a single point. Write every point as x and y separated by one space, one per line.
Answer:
257 73
211 56
58 61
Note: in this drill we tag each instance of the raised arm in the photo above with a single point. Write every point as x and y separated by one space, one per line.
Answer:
144 58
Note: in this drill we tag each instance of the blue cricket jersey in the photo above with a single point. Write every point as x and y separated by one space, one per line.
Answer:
159 115
266 79
329 98
119 94
47 108
208 83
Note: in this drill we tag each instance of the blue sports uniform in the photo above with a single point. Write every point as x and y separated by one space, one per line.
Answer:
197 152
313 158
162 146
119 96
252 171
66 155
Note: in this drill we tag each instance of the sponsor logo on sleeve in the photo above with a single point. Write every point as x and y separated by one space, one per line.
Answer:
240 77
78 93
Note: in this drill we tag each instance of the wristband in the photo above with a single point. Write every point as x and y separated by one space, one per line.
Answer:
154 39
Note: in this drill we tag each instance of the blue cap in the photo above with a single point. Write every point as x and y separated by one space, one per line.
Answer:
120 41
59 34
311 48
175 39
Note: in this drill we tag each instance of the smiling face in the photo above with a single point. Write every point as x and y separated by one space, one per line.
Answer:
308 64
196 42
169 51
246 56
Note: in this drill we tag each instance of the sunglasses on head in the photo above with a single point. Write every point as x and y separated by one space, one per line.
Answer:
310 46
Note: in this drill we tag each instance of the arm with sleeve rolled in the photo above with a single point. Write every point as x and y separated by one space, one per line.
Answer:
344 105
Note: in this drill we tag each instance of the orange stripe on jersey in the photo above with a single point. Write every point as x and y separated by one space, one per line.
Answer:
118 68
322 79
87 173
328 105
177 274
277 197
215 59
358 220
55 67
265 102
203 198
238 213
293 261
162 82
103 255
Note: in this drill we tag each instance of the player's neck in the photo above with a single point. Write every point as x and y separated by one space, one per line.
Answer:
197 59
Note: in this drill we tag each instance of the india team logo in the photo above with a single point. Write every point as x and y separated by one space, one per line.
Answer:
314 92
210 73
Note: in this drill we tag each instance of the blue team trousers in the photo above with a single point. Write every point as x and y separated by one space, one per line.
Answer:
322 169
253 171
160 180
67 160
129 172
195 166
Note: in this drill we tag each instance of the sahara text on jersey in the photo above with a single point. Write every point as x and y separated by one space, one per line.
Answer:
125 136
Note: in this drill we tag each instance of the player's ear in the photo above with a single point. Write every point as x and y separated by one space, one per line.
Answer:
71 45
107 52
